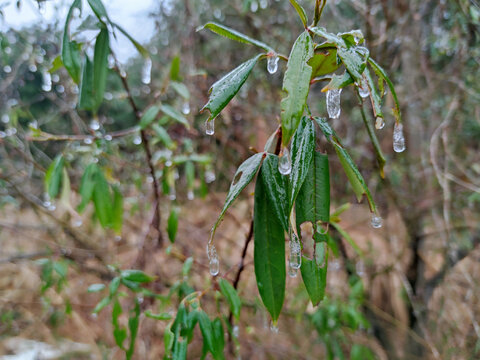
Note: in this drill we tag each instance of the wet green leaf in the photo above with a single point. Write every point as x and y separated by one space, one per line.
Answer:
148 116
70 49
374 95
102 200
181 89
175 69
315 279
329 37
87 185
300 11
98 8
323 62
353 61
174 114
133 327
53 177
339 82
86 99
232 297
100 65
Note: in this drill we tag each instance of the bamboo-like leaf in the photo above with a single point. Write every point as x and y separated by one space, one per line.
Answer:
277 186
100 65
148 116
140 48
269 252
232 297
234 35
87 184
373 138
315 279
117 211
225 89
174 114
172 224
102 200
86 99
70 52
98 8
296 84
53 176
300 11
374 95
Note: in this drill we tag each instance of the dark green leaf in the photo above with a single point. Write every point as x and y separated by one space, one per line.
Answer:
163 136
168 339
172 224
269 252
95 288
175 69
301 12
323 62
104 302
374 95
148 116
218 339
117 211
234 35
232 297
87 185
137 276
102 200
313 200
277 186
98 9
162 316
114 284
190 174
133 327
353 61
100 65
225 89
315 279
119 333
70 51
53 176
207 331
86 100
296 83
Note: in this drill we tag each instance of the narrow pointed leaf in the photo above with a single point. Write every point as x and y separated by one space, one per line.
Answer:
117 211
148 116
98 8
329 37
276 186
373 138
163 136
207 332
315 279
86 100
174 114
100 65
133 322
218 339
374 95
296 84
70 52
234 35
232 297
172 224
269 253
102 200
53 176
87 185
137 276
301 12
225 89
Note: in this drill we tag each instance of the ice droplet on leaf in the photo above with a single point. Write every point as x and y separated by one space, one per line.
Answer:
209 176
398 138
94 125
137 140
210 126
292 272
186 108
272 64
363 89
213 262
147 71
295 258
376 221
273 328
46 81
379 123
285 162
333 103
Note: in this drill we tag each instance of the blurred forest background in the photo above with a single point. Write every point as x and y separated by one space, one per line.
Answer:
409 291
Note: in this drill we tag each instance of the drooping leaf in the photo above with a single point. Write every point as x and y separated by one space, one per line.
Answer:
315 279
296 83
300 11
329 37
303 148
163 136
348 238
353 61
100 65
374 95
232 297
225 89
137 276
133 327
174 114
142 51
117 211
102 200
70 51
324 61
313 200
181 89
53 176
207 331
104 302
98 8
277 189
339 82
353 174
234 35
148 116
218 339
162 316
114 284
86 99
373 138
119 333
172 224
87 184
269 252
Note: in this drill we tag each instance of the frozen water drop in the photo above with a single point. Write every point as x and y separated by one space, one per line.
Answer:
11 131
2 134
147 71
46 81
5 118
186 108
88 140
285 162
360 268
213 262
209 176
273 328
376 221
272 64
398 138
94 125
172 195
292 272
210 127
7 69
137 140
363 89
333 103
108 137
76 12
235 331
77 223
253 6
295 258
32 68
190 195
379 123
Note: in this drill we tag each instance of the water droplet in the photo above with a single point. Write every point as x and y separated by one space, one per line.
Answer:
190 195
172 194
376 221
33 124
333 103
235 331
213 258
11 131
272 64
209 176
46 81
60 89
186 108
292 272
253 6
77 223
108 137
398 138
137 140
5 118
88 140
147 71
76 12
32 68
273 328
360 268
263 4
94 125
379 123
118 238
2 134
285 162
7 69
363 89
210 127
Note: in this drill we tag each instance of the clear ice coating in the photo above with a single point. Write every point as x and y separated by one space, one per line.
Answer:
295 258
376 221
285 162
213 262
186 108
363 89
272 64
333 103
46 81
210 126
292 272
147 71
379 123
398 138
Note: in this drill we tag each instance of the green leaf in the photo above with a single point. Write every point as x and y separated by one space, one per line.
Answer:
104 302
117 211
315 279
53 177
244 175
102 200
301 12
137 276
234 35
187 265
174 114
207 331
313 200
324 61
329 37
338 82
276 186
269 252
303 148
148 116
232 297
162 316
168 339
95 288
114 284
181 89
135 43
57 64
225 89
353 61
374 95
218 339
296 84
100 65
354 176
86 99
87 184
348 238
163 136
98 9
70 50
172 224
133 327
119 333
175 69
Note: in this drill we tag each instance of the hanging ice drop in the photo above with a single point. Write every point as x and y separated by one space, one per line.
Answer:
333 103
398 138
292 272
46 81
210 126
213 262
272 64
186 108
379 123
147 71
363 89
295 259
376 221
94 125
285 162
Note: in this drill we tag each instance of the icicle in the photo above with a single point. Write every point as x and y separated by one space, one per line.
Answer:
210 126
186 108
398 138
46 81
295 258
94 125
285 163
212 257
379 123
376 221
333 103
147 71
272 64
235 331
292 272
363 89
